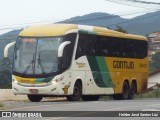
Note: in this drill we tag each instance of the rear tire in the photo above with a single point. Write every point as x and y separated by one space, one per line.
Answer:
35 98
77 92
125 93
132 90
90 97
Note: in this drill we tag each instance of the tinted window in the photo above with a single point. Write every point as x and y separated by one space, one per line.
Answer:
93 45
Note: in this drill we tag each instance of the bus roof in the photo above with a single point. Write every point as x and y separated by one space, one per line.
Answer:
62 29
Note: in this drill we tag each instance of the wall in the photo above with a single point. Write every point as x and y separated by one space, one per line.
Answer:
6 95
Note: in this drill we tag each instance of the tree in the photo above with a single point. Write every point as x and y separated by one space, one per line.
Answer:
5 73
120 29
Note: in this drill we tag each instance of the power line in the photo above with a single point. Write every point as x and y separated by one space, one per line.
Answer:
19 27
87 19
134 20
145 2
106 26
100 18
108 17
46 21
81 20
131 5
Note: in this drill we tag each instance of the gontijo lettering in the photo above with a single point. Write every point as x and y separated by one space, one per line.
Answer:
123 64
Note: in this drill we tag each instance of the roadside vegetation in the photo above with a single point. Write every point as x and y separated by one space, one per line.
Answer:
155 64
151 94
1 105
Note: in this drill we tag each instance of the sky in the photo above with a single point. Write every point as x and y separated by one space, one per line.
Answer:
20 13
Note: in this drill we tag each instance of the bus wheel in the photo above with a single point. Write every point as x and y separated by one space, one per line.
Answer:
117 97
77 92
35 98
90 97
125 91
132 90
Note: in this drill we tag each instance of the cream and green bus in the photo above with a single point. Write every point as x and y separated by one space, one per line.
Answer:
77 61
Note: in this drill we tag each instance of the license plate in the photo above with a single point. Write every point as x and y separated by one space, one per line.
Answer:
33 90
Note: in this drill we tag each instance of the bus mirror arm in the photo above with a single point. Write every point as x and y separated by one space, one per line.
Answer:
61 48
7 48
60 53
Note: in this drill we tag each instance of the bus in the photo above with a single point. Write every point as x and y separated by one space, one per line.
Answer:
78 61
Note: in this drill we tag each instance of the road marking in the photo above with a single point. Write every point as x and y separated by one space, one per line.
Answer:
57 118
131 107
153 105
150 110
123 108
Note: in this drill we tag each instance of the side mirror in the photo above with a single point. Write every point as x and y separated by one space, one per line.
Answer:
7 48
60 53
61 48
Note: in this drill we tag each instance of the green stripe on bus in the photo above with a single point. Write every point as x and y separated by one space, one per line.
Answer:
95 71
92 33
104 71
87 32
44 79
100 71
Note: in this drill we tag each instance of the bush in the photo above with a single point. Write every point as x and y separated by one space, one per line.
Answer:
151 94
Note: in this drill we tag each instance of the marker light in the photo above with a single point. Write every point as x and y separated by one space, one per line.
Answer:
14 80
54 82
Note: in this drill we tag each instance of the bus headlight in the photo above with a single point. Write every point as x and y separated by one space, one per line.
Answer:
54 82
14 80
58 79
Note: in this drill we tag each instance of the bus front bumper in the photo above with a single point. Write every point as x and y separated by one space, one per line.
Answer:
46 90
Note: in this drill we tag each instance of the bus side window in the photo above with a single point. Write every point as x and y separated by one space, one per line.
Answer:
66 57
81 47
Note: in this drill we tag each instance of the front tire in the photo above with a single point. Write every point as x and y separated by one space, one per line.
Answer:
77 92
35 98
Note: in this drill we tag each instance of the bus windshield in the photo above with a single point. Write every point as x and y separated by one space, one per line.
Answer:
37 55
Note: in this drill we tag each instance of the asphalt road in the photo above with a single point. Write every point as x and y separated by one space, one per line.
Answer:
90 108
101 105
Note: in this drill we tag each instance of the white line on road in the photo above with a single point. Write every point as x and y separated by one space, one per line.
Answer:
132 107
150 110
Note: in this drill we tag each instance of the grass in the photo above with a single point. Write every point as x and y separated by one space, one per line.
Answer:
151 94
1 105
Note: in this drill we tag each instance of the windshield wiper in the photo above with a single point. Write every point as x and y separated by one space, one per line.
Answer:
40 63
29 65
